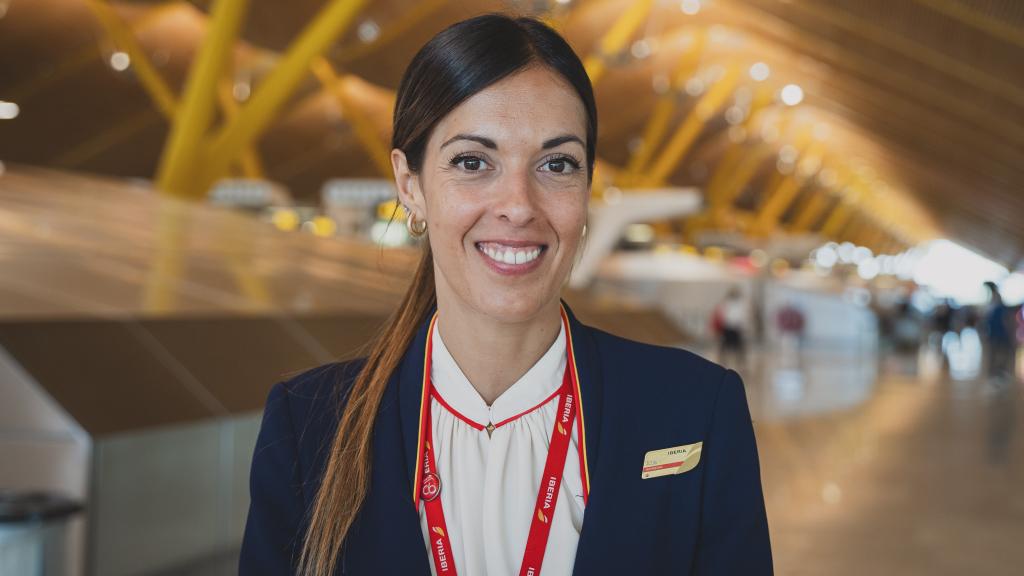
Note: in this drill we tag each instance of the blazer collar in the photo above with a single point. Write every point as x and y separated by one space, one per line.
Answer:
413 399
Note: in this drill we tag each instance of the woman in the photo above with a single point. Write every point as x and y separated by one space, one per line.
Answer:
488 431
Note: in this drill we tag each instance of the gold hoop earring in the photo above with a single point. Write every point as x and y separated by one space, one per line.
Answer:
414 230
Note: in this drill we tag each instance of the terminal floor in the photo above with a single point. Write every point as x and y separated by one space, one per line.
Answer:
888 466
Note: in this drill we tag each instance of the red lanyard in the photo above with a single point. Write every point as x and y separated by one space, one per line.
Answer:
547 496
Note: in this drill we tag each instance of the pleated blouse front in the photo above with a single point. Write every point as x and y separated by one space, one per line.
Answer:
489 484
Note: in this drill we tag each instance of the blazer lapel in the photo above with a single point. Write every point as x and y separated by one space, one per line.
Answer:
411 401
595 427
580 345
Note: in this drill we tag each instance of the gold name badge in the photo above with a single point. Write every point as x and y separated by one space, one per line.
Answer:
674 460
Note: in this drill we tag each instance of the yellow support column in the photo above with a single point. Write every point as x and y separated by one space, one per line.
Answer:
687 133
658 122
249 162
411 16
836 220
125 39
617 36
727 166
184 151
254 117
780 198
734 182
365 130
810 212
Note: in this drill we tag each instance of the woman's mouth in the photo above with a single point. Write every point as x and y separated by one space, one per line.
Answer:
509 258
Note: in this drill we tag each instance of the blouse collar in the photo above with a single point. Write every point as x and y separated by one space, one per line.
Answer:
531 390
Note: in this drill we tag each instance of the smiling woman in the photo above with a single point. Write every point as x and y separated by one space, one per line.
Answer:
485 415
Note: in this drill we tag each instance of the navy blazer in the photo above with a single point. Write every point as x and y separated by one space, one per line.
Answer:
635 398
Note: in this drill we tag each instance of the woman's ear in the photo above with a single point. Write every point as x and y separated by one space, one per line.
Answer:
408 184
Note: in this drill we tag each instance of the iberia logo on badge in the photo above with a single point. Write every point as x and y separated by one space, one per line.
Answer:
431 487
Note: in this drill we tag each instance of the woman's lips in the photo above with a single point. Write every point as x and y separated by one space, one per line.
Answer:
512 258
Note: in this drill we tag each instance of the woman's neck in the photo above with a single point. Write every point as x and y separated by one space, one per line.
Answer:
492 354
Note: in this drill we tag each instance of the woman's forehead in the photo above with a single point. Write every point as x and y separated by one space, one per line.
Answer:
526 108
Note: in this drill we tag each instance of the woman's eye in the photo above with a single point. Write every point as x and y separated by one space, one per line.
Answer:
561 165
469 163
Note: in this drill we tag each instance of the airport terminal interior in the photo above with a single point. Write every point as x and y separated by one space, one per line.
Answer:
197 201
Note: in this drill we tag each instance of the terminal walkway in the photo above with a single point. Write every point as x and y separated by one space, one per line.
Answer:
915 473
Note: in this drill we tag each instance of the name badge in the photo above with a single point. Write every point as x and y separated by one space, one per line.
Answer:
675 460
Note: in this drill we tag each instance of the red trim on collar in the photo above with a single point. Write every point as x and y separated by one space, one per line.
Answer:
477 425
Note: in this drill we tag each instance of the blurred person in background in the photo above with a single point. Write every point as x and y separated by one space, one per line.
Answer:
1000 336
731 317
790 320
944 337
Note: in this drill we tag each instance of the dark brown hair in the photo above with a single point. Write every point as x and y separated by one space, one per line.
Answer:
457 63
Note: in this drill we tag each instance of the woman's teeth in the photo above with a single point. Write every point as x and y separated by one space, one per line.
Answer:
510 255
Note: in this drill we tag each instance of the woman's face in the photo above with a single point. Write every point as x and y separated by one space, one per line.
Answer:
503 188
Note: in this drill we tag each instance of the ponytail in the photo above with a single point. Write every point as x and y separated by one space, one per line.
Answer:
346 476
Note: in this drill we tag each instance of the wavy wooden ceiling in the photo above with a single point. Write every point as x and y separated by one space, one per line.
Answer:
923 99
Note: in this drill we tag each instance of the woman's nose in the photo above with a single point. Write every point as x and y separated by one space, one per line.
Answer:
516 204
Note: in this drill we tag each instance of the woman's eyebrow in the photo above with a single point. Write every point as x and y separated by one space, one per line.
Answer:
558 140
473 138
487 142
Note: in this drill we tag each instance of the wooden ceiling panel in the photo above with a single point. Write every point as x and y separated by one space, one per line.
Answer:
929 92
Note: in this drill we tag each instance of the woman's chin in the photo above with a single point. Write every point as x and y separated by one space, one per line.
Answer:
514 307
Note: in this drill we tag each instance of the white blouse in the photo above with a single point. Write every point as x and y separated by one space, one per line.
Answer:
489 484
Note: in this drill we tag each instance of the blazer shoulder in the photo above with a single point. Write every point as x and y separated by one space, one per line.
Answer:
625 349
658 368
322 381
315 395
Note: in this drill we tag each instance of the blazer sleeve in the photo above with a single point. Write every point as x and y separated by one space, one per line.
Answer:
734 526
272 531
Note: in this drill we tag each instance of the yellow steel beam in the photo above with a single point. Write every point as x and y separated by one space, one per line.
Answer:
83 57
274 91
410 18
125 39
736 180
665 107
249 162
776 204
185 151
810 211
726 167
845 232
378 150
684 137
779 199
836 219
914 50
877 240
614 41
124 128
866 232
848 56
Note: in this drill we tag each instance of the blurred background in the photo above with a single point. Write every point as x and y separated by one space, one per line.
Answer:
196 202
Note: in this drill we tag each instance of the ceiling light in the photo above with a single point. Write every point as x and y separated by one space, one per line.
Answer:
760 71
8 110
120 61
368 31
690 7
641 49
792 95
